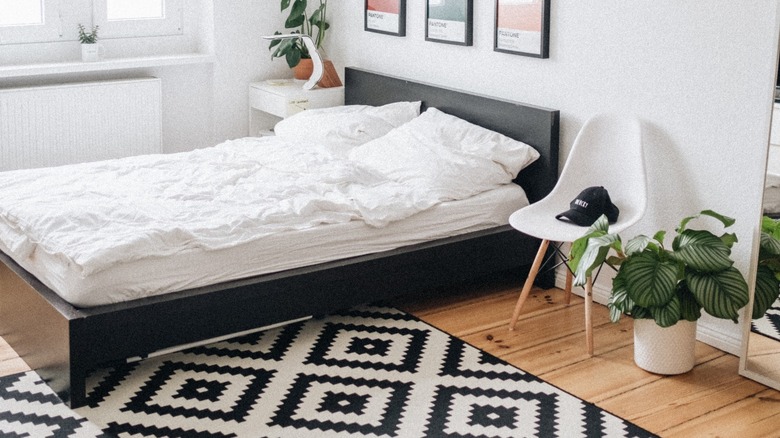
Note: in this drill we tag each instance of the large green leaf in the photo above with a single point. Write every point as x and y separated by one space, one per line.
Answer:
316 18
637 244
297 14
729 239
619 301
639 312
668 314
594 255
769 245
767 290
702 251
690 309
284 47
721 294
650 281
771 226
725 220
293 57
599 228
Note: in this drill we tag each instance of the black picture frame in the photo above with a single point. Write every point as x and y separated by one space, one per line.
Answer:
450 21
385 22
521 37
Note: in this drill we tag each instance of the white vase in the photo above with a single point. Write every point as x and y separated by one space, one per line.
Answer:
91 52
665 350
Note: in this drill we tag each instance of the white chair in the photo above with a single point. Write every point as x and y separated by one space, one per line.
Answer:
607 152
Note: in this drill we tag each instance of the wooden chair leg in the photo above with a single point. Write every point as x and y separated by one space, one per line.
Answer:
567 288
529 282
588 315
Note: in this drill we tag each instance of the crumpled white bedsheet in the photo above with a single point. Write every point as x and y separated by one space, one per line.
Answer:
95 215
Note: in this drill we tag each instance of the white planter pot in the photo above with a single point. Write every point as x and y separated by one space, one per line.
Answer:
91 52
660 350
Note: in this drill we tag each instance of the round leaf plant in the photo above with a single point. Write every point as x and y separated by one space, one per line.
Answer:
665 284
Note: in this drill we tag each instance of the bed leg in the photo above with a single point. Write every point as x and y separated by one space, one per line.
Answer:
77 395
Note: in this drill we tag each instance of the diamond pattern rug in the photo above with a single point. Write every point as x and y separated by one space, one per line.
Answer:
769 324
368 372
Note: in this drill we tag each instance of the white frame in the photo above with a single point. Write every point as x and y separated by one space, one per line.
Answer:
60 21
171 24
50 30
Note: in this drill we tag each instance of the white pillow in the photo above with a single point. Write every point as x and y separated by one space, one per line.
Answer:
448 154
341 128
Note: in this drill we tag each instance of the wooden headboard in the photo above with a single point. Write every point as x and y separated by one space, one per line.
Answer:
533 125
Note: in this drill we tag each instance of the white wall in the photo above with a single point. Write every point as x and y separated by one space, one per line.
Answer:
207 105
242 57
700 76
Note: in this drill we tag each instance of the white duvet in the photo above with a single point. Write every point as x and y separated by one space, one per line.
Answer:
95 215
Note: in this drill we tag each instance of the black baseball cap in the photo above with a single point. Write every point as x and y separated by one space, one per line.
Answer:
588 206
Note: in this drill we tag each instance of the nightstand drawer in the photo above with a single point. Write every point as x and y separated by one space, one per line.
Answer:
272 100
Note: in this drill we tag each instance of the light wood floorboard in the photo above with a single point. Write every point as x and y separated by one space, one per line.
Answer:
549 341
713 400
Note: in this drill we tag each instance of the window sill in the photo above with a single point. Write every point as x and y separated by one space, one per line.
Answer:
16 71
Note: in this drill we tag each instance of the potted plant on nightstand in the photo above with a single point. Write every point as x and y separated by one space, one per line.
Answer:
294 51
90 49
665 289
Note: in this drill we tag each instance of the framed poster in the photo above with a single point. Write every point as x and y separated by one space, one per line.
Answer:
523 27
386 16
449 21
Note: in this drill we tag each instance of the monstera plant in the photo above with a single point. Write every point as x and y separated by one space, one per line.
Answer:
666 284
299 21
768 272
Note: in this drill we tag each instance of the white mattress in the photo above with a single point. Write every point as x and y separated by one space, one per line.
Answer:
156 275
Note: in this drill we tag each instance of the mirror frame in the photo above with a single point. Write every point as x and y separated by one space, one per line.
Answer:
744 359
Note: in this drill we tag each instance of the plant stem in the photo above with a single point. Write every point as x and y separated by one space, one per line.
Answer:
321 28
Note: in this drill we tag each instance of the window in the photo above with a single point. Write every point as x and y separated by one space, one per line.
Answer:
134 18
36 21
133 10
21 13
28 21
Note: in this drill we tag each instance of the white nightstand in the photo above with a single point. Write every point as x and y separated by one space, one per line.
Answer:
272 100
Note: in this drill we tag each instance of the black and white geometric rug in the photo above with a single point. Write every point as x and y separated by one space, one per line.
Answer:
368 372
769 324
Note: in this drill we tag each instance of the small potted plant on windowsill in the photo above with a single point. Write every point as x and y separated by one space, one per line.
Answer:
665 289
294 51
90 49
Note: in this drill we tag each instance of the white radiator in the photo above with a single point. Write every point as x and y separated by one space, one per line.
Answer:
72 123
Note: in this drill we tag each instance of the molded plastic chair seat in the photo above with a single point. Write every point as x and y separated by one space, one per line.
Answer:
607 152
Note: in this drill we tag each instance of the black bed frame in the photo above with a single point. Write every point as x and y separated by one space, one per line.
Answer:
64 343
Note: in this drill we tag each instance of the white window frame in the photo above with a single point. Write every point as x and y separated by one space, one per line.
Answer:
50 30
60 19
170 24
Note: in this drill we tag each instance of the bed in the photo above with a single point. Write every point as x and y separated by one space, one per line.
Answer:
64 342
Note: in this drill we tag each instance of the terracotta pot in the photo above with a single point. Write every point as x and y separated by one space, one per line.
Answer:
660 350
303 70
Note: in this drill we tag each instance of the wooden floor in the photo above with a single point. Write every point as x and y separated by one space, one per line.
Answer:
549 341
710 401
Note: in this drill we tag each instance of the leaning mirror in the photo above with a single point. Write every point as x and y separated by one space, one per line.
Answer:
760 360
